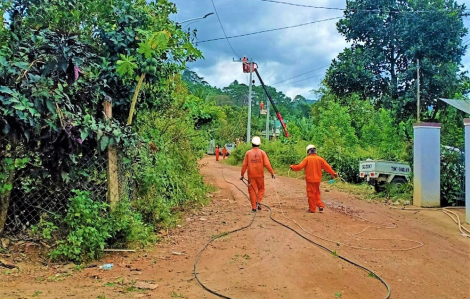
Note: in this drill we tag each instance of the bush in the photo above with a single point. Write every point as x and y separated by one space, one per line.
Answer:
87 227
168 176
452 170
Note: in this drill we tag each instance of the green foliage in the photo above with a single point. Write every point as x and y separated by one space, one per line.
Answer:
340 140
45 228
168 175
87 228
382 63
452 170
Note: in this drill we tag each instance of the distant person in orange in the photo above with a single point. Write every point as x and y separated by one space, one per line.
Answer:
255 161
217 153
314 165
224 151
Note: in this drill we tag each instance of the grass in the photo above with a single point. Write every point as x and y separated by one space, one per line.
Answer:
219 235
176 295
37 293
372 275
338 295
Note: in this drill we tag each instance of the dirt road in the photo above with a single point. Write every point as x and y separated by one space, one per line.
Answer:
269 261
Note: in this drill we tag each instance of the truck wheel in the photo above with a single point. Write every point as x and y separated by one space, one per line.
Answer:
379 187
398 181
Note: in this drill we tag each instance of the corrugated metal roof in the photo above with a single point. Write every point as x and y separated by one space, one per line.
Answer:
462 105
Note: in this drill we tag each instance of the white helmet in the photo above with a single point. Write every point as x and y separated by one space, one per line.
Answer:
256 140
310 146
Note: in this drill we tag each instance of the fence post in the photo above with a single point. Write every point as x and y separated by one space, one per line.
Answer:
113 187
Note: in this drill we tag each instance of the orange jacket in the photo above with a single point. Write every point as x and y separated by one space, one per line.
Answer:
224 151
255 160
217 151
313 165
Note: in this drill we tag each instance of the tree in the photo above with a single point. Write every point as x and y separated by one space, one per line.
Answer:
61 60
388 36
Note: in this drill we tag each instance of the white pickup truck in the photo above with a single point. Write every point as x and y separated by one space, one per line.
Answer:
378 173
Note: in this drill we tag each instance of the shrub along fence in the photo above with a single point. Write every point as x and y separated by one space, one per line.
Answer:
29 191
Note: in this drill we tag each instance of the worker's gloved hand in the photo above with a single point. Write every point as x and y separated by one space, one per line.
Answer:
291 167
272 176
241 178
335 175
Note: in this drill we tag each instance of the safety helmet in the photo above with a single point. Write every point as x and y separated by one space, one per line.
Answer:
310 146
256 140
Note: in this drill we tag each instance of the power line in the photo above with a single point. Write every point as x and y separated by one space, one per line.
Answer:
299 80
269 30
302 74
352 9
302 5
217 14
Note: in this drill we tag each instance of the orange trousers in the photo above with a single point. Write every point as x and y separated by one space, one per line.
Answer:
256 187
314 197
217 156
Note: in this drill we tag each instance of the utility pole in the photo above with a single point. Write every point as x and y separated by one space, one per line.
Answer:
417 92
267 121
247 63
248 128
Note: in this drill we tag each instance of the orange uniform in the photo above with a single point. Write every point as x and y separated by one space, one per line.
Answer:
255 161
224 152
217 153
314 165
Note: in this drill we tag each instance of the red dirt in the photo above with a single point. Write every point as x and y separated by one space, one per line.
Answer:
267 260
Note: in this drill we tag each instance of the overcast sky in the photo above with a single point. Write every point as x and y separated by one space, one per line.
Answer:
280 54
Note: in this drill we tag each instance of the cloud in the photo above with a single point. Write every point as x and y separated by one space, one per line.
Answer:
280 54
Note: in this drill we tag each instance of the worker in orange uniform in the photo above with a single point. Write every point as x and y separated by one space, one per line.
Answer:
314 165
224 151
255 161
217 153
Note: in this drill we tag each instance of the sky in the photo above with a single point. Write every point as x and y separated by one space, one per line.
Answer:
281 54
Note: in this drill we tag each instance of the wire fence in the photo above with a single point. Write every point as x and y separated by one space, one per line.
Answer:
30 191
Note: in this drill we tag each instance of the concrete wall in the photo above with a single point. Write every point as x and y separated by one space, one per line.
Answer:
467 169
427 165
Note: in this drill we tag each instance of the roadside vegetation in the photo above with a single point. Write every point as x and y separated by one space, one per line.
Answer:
61 61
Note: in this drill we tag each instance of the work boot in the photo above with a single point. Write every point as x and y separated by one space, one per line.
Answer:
321 209
308 211
259 206
253 210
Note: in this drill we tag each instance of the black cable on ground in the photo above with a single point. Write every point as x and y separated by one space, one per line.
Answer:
289 228
215 238
331 251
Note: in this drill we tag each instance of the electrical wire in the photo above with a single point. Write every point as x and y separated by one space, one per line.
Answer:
268 30
215 238
217 14
289 228
299 80
302 74
352 9
338 243
463 230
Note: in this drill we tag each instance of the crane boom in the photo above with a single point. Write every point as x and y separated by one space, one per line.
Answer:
272 103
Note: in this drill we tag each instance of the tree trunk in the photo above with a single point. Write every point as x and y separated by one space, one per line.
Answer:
134 99
5 201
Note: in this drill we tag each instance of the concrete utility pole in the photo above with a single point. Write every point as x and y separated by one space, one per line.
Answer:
417 93
267 120
248 128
